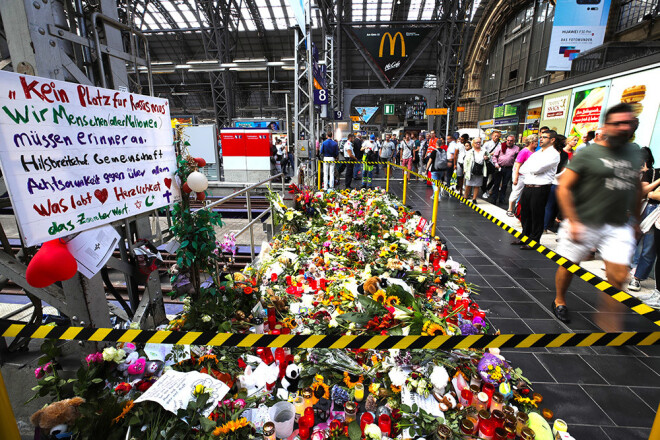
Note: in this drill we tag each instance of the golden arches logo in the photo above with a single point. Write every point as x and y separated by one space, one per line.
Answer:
392 44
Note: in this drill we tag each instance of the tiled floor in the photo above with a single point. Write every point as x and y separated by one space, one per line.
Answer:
601 392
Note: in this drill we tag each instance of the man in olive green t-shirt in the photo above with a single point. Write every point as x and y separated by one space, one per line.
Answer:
597 193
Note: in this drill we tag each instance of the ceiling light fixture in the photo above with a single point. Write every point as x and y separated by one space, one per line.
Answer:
228 65
182 66
204 62
251 60
275 63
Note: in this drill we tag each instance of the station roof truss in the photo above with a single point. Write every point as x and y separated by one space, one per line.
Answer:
262 30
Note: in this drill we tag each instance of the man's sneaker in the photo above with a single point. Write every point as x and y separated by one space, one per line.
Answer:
486 195
634 285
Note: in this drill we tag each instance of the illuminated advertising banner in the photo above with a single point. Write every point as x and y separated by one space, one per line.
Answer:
366 113
587 105
390 48
579 26
642 91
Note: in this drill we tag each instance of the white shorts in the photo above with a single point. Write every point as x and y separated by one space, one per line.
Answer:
616 244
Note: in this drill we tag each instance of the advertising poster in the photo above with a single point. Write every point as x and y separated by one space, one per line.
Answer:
642 91
555 111
366 113
571 36
390 48
76 157
587 105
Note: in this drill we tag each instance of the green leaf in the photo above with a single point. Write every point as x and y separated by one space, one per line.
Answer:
97 380
354 431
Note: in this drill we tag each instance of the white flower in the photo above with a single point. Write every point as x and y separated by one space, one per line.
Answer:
333 323
351 326
421 278
134 326
439 377
373 432
206 318
402 315
398 376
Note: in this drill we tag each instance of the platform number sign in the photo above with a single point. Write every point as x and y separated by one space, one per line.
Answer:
389 109
339 115
320 96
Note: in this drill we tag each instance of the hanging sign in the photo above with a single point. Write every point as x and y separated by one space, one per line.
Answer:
570 37
76 157
390 48
366 113
320 96
436 111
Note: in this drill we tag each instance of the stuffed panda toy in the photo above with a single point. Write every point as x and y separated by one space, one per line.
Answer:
289 383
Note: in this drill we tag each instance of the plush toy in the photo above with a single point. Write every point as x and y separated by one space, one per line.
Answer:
371 286
289 383
448 402
57 417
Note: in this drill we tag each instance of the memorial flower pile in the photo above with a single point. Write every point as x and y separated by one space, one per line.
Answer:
354 263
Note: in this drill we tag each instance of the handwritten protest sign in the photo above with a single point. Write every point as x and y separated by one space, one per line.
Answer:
75 157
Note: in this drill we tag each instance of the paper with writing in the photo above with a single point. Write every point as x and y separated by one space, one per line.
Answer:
93 248
428 404
76 157
175 389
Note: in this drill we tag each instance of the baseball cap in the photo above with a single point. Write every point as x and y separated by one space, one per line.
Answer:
372 137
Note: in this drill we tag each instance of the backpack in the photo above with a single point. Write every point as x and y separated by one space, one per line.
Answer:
372 156
440 163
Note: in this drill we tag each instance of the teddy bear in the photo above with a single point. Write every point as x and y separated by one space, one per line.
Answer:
289 383
371 286
57 417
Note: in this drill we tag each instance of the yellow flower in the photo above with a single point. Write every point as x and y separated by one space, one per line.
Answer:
124 411
373 388
208 357
230 426
393 247
391 300
430 329
379 296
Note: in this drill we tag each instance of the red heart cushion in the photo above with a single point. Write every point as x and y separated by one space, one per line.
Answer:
53 262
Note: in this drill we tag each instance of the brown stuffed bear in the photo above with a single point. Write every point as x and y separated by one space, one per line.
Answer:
60 415
372 285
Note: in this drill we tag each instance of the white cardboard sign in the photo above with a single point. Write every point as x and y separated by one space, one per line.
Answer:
76 157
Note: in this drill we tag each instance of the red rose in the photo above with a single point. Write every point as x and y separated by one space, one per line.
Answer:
143 385
123 388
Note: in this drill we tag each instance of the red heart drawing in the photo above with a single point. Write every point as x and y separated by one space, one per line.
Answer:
53 262
101 194
167 181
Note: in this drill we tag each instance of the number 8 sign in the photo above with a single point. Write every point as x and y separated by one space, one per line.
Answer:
320 96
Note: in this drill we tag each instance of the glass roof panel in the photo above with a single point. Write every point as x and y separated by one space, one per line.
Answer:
428 12
413 12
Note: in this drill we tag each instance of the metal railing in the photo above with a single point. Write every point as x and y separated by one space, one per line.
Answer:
251 221
634 12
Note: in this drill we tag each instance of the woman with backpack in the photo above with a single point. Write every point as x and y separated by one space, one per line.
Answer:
437 164
474 169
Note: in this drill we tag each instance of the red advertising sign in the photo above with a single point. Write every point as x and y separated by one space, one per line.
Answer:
586 115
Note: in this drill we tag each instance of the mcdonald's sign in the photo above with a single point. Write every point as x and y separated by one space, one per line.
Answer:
390 48
392 41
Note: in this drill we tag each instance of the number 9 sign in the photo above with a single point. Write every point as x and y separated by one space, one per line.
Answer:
320 96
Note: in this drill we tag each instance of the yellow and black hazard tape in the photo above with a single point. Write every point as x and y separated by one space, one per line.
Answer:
334 342
624 298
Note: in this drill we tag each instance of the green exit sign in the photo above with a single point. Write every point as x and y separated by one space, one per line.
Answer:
389 109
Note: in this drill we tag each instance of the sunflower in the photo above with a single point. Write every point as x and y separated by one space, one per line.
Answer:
391 300
289 323
230 426
124 411
208 357
430 329
319 389
395 389
379 296
350 383
393 247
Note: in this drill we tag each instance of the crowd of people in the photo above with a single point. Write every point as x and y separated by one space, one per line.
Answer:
593 193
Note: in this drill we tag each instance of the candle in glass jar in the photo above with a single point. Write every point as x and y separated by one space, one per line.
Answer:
527 434
312 283
299 405
500 433
486 430
521 422
350 409
489 389
481 401
307 395
272 318
467 427
288 280
385 424
303 432
496 402
498 417
269 431
475 380
359 392
366 419
466 397
309 416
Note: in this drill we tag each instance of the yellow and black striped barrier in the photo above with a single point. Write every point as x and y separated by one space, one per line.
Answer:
334 342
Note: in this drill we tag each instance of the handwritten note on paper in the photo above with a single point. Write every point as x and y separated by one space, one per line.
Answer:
175 389
93 248
428 404
77 157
